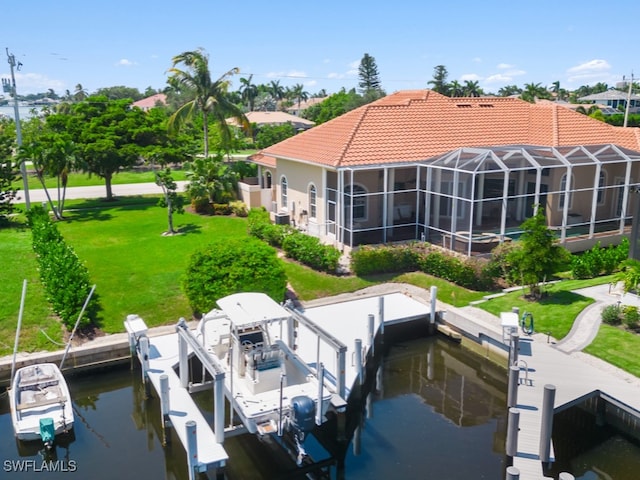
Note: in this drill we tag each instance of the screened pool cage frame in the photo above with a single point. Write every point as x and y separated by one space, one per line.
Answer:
472 199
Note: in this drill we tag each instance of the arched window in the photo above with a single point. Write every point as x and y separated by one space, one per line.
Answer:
312 201
601 184
563 186
283 192
357 194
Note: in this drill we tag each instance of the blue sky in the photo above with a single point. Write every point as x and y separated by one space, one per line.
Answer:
320 44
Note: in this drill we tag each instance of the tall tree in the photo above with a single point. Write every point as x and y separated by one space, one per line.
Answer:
299 94
276 91
509 90
537 255
369 77
80 93
8 170
209 97
439 81
456 89
533 91
472 88
248 92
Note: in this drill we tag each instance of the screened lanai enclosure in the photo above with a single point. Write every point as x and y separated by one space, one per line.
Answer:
472 199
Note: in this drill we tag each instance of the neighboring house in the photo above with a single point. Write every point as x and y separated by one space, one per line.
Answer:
615 99
296 109
150 102
275 118
463 173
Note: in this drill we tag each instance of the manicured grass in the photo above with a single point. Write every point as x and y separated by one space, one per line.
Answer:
84 180
618 347
553 314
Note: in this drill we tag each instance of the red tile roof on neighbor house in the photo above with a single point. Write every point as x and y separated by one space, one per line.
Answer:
416 125
152 101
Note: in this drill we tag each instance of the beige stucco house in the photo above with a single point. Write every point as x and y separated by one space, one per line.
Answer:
459 172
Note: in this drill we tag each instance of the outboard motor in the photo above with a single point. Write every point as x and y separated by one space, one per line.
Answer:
303 414
47 431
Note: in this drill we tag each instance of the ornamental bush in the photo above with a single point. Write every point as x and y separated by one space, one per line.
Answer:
611 315
311 252
64 277
226 267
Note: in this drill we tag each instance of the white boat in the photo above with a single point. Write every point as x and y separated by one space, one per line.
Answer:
271 389
40 403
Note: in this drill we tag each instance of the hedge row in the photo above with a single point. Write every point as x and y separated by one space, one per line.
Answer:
65 278
466 272
599 261
296 245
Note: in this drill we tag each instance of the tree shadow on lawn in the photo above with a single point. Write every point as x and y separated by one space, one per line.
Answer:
97 209
562 297
189 228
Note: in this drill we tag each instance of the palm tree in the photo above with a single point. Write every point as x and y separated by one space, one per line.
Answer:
276 91
210 97
80 93
533 91
456 89
299 95
472 88
248 92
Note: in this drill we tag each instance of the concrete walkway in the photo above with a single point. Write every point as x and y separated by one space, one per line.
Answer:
97 191
585 327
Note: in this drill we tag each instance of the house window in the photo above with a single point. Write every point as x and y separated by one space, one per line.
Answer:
312 201
358 194
563 187
283 192
602 181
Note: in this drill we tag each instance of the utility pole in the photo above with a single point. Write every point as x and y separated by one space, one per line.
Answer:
626 110
11 88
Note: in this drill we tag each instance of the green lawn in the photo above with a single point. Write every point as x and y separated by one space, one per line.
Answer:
137 270
84 180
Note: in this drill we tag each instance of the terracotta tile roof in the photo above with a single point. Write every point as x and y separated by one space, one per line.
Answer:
416 125
150 102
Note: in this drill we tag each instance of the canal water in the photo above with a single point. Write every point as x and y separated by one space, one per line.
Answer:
437 411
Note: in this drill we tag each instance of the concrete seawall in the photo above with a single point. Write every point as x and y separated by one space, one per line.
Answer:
97 353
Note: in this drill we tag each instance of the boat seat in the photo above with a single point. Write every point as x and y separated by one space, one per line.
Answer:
40 403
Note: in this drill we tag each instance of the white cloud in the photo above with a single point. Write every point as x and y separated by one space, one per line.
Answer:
335 75
125 63
498 78
504 66
354 65
476 60
296 74
590 67
470 76
37 83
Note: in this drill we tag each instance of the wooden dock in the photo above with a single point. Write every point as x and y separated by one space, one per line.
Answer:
348 321
162 360
574 380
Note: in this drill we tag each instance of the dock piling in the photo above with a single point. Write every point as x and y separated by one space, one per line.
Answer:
433 293
372 336
381 317
513 473
183 358
512 392
566 476
144 361
165 407
358 360
192 449
320 394
218 408
514 348
513 423
546 426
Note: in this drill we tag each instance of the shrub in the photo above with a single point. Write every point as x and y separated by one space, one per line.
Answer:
311 252
630 316
64 277
368 260
221 209
239 208
231 266
611 315
598 260
202 205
